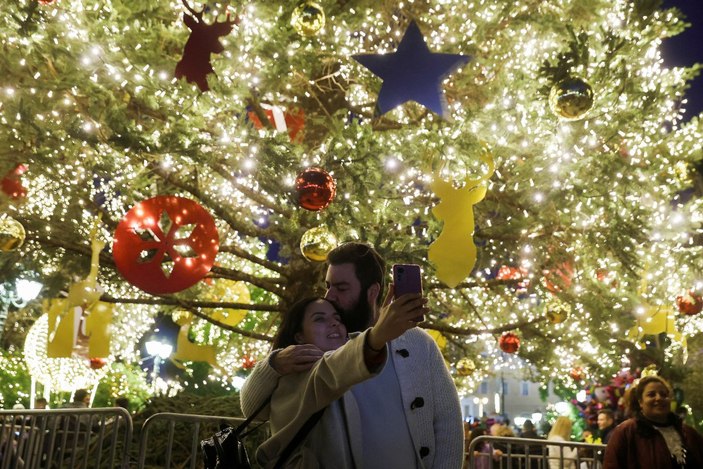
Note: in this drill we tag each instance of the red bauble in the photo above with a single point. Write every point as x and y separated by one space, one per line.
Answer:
46 2
165 244
11 183
509 342
690 304
97 363
315 188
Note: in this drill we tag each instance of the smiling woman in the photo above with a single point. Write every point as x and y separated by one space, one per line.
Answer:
655 437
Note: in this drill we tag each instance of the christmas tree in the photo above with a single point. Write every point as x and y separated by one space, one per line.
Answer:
530 155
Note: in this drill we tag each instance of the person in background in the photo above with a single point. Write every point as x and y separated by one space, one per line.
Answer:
606 424
122 402
40 403
655 437
528 430
481 452
410 413
81 400
561 457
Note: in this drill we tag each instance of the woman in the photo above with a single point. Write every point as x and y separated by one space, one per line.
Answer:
561 456
298 396
654 438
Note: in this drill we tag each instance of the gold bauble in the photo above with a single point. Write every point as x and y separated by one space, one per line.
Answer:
557 315
316 243
465 367
228 291
12 234
308 18
571 98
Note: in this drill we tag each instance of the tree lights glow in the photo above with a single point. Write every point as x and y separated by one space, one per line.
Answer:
89 102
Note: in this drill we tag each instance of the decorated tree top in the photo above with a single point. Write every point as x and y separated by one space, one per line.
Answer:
570 130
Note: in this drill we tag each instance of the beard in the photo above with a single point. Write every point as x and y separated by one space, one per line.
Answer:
360 316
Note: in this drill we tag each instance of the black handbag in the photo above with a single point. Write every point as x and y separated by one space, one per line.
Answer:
225 449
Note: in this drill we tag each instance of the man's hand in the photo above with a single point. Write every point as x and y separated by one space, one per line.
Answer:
295 358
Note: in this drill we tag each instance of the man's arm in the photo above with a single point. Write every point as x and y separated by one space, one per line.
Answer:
448 429
264 377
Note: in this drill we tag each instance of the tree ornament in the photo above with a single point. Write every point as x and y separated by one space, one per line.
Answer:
559 278
577 373
165 244
412 73
308 18
571 98
11 183
203 41
291 121
690 303
465 367
228 291
557 310
509 342
315 188
453 252
47 2
248 362
316 243
97 363
12 233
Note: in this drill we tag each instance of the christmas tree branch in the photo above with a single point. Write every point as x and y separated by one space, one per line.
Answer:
239 252
473 331
264 283
253 195
192 306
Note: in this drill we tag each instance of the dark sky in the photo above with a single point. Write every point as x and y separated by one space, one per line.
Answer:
687 49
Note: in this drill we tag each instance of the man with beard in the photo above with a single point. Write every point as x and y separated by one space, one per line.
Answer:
409 414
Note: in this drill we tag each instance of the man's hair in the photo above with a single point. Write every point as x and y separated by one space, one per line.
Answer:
80 395
40 400
292 322
528 425
369 266
608 413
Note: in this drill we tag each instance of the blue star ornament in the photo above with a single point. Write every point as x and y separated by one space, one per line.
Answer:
412 73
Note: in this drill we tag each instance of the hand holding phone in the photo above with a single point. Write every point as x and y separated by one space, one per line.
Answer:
407 278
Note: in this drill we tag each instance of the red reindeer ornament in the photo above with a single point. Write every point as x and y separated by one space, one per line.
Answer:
203 41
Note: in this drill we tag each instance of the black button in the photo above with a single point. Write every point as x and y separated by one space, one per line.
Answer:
403 353
424 451
418 402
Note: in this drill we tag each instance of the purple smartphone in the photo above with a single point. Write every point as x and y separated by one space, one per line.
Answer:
407 279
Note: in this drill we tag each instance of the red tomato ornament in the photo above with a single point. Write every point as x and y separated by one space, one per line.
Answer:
97 363
11 183
577 373
165 244
690 304
315 188
509 342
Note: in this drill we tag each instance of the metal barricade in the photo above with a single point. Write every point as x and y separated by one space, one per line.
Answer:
70 438
525 453
180 446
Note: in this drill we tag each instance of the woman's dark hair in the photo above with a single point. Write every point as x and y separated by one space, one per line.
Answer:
292 322
369 266
637 393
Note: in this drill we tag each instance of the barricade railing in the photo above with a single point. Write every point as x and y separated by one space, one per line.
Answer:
183 433
70 438
488 452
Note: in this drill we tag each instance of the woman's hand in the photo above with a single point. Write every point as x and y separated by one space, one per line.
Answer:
396 317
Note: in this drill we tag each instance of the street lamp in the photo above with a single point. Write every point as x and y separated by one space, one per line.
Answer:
160 351
17 295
